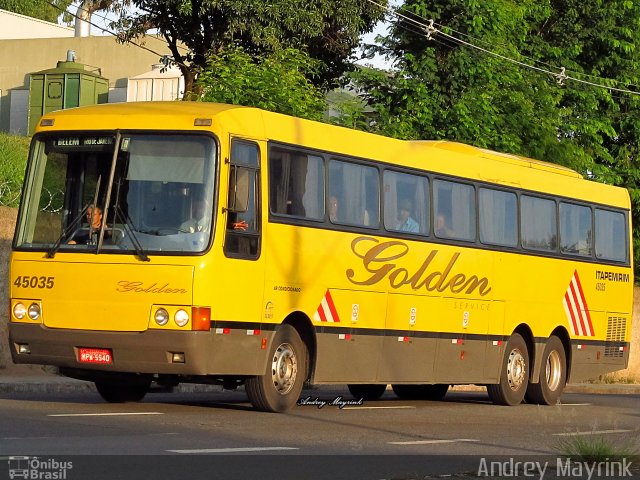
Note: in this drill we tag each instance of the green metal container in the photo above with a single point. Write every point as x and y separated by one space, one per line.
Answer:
66 86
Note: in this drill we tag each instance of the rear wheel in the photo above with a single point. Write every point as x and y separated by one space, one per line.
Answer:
421 392
372 391
279 388
552 377
514 376
123 389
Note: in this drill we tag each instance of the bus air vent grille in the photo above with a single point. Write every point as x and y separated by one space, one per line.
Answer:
616 332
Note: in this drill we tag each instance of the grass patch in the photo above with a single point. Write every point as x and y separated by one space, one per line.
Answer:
14 150
612 378
593 448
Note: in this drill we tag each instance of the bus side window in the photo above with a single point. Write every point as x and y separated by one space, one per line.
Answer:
354 188
406 203
575 229
454 210
296 184
498 217
538 223
243 205
611 236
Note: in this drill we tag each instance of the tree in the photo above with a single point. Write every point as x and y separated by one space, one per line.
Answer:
605 124
42 9
442 88
278 82
329 30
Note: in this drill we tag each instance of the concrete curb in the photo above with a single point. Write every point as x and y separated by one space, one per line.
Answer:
49 384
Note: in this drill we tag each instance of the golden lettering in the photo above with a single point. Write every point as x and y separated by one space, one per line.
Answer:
457 281
371 258
139 287
379 262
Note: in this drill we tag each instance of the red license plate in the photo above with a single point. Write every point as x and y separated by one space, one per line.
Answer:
100 356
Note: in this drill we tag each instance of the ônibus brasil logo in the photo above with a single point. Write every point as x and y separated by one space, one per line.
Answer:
34 468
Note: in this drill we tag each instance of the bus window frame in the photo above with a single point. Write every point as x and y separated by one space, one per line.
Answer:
283 217
256 173
215 179
381 231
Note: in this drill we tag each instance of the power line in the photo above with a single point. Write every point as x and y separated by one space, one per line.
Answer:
429 31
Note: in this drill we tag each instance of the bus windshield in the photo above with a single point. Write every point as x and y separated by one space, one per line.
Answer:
113 193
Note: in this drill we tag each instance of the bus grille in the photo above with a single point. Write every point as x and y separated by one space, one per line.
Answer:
616 332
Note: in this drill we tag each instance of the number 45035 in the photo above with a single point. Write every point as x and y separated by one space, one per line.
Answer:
34 282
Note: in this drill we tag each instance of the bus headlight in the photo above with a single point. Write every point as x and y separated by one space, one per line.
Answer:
34 311
161 317
19 311
181 318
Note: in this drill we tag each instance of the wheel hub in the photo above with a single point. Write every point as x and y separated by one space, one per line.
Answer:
516 369
284 368
553 370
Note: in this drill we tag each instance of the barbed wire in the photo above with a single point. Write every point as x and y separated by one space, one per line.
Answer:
11 192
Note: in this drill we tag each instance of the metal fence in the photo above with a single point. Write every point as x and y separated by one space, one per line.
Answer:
10 193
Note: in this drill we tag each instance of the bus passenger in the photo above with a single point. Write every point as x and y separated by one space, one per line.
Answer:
441 228
333 209
198 221
406 223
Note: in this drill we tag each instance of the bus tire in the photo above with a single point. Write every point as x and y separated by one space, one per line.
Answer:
279 388
553 375
514 376
122 391
435 391
367 391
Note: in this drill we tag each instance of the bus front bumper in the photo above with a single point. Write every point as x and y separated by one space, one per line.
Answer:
151 351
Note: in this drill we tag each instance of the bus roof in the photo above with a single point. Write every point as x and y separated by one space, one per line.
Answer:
501 157
450 158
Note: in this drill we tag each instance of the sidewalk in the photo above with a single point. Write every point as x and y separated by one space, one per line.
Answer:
49 383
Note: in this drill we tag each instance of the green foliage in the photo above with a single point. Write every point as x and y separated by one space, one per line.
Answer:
329 30
278 82
41 9
594 448
13 152
443 89
347 109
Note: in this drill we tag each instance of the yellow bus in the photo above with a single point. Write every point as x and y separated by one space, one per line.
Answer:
206 243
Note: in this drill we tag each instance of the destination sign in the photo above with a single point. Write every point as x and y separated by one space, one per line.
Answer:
83 141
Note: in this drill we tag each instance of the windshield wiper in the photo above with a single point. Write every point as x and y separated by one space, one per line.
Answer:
67 231
128 224
74 223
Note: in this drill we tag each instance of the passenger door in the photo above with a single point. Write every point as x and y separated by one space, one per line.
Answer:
244 275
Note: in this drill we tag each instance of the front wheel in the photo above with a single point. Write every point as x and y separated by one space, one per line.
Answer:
279 388
514 376
553 377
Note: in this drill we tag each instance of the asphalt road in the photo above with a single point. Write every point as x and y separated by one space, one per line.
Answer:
219 435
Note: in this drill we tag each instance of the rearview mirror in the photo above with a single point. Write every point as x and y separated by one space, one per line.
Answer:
238 190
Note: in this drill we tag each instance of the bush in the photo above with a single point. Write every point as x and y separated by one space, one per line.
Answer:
14 150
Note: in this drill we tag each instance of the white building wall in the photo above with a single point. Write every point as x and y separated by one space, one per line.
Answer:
14 26
156 85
